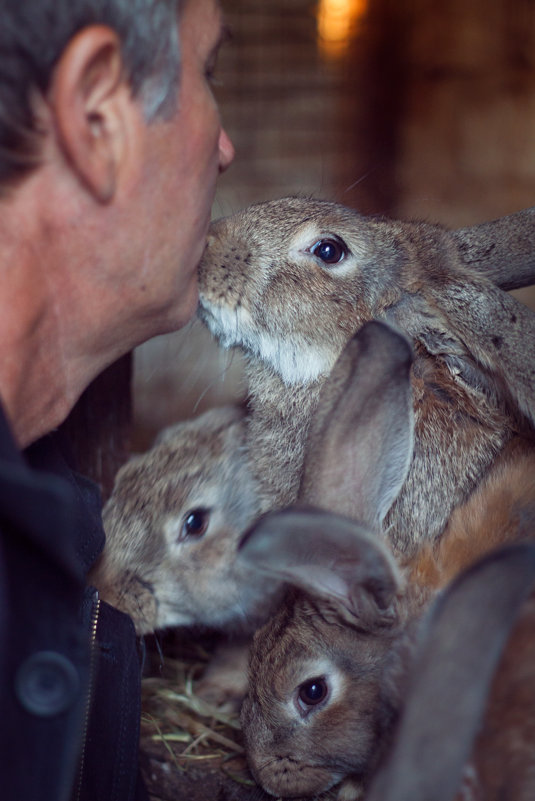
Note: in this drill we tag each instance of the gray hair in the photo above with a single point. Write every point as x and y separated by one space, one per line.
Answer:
33 35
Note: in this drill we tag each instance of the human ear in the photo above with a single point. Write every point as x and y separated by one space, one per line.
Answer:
90 100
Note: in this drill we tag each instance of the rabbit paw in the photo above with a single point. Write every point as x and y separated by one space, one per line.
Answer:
224 682
350 790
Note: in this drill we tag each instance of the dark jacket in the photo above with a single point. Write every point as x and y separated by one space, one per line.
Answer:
69 663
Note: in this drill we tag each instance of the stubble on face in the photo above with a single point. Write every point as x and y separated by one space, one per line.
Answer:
184 160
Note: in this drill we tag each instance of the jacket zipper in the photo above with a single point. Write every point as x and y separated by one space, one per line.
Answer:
92 660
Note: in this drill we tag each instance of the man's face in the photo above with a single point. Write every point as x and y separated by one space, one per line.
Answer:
185 155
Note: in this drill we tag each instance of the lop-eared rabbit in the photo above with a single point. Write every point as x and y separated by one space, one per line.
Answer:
290 281
329 672
172 525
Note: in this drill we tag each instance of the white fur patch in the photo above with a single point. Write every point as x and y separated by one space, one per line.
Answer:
224 323
350 790
295 362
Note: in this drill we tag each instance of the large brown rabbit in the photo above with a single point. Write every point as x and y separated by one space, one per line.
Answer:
329 673
290 281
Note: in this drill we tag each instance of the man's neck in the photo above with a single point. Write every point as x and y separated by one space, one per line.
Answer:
34 379
32 376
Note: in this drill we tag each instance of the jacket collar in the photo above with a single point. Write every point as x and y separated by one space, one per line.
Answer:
43 475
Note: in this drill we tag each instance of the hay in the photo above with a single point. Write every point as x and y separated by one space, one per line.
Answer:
182 731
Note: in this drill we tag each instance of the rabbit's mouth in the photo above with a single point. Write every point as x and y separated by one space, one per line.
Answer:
135 597
286 777
224 323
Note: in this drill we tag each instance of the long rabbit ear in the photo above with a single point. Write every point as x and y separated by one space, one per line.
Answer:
502 250
466 633
498 330
360 442
328 556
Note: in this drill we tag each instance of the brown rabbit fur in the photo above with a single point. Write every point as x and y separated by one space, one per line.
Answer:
291 280
351 623
503 764
467 727
501 510
172 525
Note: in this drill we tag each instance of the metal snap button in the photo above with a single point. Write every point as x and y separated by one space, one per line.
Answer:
47 683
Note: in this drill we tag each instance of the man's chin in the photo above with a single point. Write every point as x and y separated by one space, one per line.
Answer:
185 309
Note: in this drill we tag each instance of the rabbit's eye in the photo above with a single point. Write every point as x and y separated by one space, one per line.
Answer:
196 522
330 251
313 691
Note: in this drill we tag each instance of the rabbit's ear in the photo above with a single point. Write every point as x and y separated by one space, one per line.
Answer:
500 335
502 250
328 556
461 645
360 442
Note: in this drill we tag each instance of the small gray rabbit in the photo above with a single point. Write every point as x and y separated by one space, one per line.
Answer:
290 281
172 525
329 672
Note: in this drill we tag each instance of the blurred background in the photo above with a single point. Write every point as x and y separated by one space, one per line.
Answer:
420 109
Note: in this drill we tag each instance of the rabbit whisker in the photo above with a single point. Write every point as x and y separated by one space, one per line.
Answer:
359 180
158 644
267 763
229 358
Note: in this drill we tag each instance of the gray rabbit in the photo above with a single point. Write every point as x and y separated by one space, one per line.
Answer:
172 525
290 281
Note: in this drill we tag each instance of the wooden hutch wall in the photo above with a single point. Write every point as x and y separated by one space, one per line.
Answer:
427 111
